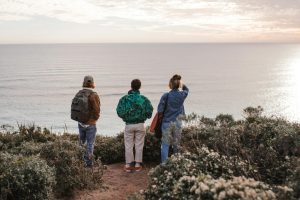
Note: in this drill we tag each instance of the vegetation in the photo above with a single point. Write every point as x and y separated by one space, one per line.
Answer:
25 177
35 164
257 157
254 158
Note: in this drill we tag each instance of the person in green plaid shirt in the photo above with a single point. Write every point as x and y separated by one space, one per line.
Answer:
134 109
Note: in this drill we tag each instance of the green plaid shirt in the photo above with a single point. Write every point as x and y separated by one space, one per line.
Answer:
134 108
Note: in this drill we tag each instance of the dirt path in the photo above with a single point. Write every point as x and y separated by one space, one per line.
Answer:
120 184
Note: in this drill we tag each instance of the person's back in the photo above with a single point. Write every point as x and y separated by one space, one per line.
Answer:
175 104
85 110
134 109
171 109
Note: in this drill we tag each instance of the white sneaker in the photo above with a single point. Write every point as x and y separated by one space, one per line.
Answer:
138 167
127 168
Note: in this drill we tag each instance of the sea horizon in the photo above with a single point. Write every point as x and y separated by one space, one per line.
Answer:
38 81
191 43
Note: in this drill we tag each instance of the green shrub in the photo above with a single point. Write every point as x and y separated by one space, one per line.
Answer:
27 148
110 149
265 142
10 140
295 180
66 158
35 133
151 148
284 193
25 178
224 120
259 147
29 133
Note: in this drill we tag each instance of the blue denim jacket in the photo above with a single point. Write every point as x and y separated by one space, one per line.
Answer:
175 105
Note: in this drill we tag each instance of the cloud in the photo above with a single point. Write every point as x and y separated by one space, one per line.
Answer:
184 16
272 13
78 11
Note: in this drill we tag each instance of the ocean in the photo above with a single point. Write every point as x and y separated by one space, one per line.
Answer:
38 82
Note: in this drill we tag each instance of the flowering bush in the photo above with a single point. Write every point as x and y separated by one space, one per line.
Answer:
164 177
205 187
271 145
259 147
263 148
25 178
208 176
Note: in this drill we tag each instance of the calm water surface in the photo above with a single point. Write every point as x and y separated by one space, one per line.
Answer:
38 82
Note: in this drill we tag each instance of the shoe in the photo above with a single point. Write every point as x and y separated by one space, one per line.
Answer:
127 168
138 167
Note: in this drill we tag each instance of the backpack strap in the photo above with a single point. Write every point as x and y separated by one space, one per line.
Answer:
166 104
88 92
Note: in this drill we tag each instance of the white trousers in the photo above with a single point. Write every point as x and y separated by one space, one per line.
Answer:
134 136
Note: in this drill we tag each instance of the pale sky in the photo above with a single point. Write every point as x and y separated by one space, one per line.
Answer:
102 21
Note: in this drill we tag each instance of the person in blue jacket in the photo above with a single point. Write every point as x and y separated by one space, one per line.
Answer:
172 102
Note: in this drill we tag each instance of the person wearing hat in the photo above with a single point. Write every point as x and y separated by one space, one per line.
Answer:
86 110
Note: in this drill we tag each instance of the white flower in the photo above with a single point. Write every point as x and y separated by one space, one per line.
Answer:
193 188
222 195
230 192
203 187
285 188
271 194
198 191
287 157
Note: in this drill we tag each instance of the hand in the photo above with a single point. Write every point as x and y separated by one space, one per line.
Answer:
151 133
181 84
160 116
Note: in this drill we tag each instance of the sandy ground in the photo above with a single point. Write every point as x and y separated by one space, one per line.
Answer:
120 184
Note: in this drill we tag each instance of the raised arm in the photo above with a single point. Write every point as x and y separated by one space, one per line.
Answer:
185 91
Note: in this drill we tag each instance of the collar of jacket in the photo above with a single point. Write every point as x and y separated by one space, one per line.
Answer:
86 88
133 92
